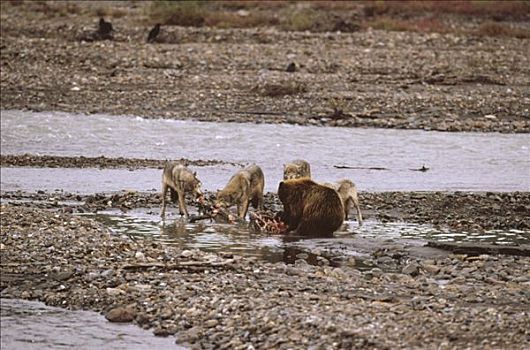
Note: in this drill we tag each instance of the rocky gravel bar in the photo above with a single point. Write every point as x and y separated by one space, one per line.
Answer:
459 211
101 162
228 302
366 78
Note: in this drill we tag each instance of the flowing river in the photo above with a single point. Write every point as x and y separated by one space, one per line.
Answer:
376 159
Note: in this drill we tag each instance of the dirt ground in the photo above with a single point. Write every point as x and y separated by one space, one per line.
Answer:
364 78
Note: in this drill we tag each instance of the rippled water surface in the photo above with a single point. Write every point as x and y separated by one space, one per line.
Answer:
456 161
351 240
32 325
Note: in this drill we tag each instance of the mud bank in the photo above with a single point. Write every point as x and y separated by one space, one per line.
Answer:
209 300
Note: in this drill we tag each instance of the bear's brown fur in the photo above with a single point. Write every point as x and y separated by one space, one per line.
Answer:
310 209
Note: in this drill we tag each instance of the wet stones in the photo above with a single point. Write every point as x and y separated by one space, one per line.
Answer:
411 269
121 314
459 211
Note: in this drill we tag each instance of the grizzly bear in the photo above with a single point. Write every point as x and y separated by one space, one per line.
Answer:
310 209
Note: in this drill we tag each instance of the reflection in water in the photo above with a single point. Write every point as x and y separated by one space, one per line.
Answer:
350 241
33 325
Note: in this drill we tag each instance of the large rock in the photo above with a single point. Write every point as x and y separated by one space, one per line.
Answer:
121 314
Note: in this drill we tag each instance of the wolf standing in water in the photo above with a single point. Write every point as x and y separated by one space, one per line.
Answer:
348 195
179 180
296 170
244 187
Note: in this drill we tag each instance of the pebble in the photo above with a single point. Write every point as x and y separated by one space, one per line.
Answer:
432 269
211 323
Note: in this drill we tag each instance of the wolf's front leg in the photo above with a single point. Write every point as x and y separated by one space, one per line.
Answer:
182 204
261 202
164 192
358 209
244 208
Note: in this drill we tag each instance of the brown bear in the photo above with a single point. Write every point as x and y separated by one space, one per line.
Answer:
310 209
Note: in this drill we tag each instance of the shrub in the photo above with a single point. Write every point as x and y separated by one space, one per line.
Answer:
182 13
502 30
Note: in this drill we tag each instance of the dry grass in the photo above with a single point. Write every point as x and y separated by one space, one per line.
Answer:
317 16
498 10
502 30
182 13
58 9
424 25
112 12
242 14
220 14
304 19
70 8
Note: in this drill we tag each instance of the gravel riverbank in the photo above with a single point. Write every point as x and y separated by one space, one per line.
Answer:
225 301
400 295
102 162
368 78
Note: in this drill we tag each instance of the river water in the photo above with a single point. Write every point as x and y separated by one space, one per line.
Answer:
456 161
30 325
